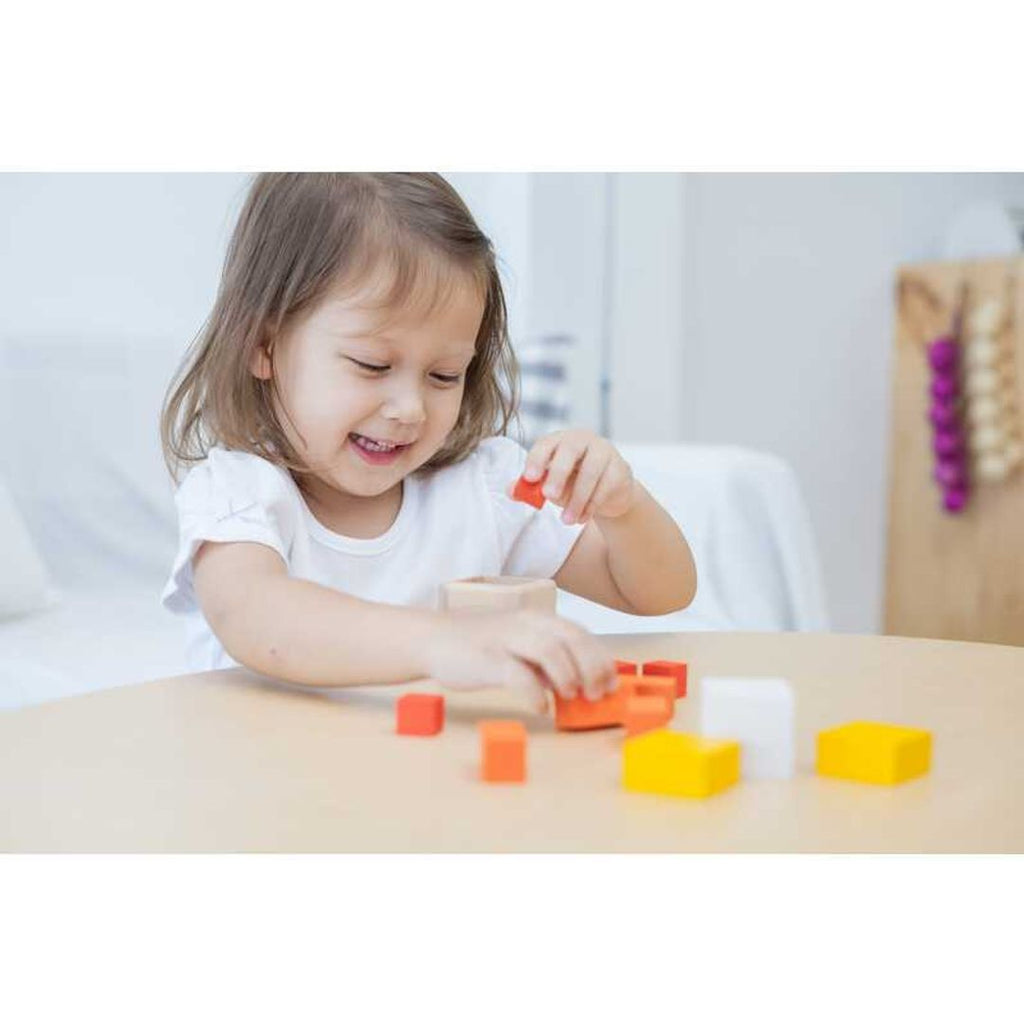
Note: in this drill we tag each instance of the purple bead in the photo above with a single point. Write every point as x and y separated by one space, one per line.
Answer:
954 499
943 413
942 353
951 473
944 387
948 442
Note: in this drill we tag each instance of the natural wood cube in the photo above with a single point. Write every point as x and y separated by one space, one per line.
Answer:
499 593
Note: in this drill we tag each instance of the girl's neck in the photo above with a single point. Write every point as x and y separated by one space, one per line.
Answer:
350 515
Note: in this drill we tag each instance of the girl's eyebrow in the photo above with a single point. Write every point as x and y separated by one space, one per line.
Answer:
454 350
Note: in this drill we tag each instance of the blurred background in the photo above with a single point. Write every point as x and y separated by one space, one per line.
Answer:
746 309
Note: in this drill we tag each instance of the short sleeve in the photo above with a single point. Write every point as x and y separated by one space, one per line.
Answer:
229 496
534 542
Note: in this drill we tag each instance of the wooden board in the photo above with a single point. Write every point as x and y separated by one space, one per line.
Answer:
958 577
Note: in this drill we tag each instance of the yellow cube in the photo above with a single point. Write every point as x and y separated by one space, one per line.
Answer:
874 752
676 764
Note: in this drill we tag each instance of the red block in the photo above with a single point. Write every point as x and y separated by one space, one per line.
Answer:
420 714
627 668
530 491
675 669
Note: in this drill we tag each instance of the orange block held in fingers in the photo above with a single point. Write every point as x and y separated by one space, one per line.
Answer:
420 714
502 751
646 713
530 491
579 713
675 669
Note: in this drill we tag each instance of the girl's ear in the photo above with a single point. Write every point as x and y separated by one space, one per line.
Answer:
260 364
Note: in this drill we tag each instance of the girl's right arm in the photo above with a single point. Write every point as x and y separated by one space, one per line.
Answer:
302 632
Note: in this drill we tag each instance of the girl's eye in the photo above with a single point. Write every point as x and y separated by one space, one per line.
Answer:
370 366
448 379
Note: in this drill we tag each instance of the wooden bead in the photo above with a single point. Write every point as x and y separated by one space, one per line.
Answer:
982 410
981 352
987 318
987 439
981 382
993 467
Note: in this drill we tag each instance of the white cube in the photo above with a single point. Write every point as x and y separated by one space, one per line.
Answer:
757 712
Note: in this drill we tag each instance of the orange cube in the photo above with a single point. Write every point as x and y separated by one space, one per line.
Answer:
675 669
646 713
530 491
650 686
420 714
627 668
502 751
580 713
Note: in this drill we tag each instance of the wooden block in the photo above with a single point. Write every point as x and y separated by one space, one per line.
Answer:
580 713
419 714
676 764
502 751
530 491
499 593
675 669
646 713
759 713
874 752
627 668
651 686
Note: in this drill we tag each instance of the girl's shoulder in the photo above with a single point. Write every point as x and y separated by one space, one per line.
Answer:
226 478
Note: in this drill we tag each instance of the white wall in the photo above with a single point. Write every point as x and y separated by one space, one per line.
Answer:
132 255
746 309
787 337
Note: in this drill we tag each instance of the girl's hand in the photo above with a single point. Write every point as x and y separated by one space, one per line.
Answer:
530 651
586 476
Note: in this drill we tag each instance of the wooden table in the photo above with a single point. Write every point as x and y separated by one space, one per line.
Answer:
225 761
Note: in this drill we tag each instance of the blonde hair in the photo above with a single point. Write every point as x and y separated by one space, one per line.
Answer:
299 236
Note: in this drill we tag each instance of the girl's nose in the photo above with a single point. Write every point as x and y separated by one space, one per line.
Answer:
406 406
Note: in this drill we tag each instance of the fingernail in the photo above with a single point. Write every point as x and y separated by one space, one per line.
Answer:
530 473
567 517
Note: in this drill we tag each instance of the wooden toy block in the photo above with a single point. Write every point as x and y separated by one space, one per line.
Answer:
530 491
502 751
499 593
677 764
651 686
874 752
580 713
646 713
759 713
419 714
675 669
627 668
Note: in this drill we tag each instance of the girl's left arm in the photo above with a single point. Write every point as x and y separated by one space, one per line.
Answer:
631 555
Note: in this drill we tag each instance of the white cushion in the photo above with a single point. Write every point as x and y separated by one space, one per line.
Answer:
24 581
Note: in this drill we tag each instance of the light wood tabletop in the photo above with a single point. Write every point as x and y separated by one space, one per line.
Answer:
225 761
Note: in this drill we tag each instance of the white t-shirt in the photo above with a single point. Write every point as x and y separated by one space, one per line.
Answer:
453 523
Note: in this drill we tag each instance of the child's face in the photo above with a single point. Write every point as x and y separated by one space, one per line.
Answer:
337 401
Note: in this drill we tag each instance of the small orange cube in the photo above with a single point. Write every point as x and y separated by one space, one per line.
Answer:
675 669
650 686
502 751
420 714
646 713
530 491
627 668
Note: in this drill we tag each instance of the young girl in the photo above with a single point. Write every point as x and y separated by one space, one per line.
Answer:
344 412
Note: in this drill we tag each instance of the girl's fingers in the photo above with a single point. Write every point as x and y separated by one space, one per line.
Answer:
538 457
560 469
591 472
